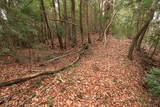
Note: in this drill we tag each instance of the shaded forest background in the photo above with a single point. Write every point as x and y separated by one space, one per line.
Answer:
52 23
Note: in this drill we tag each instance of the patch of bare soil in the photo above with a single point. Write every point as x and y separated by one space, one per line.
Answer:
104 77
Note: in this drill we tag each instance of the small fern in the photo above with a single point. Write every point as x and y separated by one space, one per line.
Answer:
152 79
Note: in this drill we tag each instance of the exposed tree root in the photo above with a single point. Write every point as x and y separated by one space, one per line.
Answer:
41 73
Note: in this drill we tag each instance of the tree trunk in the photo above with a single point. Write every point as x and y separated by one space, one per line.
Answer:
155 48
65 26
43 37
59 9
46 21
135 40
56 24
74 36
140 40
100 21
87 15
81 20
60 39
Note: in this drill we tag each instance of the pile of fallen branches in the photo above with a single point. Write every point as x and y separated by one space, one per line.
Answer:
43 73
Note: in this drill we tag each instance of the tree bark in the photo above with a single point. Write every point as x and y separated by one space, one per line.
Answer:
47 23
140 40
43 37
87 15
100 22
81 20
56 25
136 38
106 31
155 48
65 26
74 36
59 9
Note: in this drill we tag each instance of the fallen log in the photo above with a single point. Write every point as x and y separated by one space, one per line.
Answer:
42 73
84 47
56 58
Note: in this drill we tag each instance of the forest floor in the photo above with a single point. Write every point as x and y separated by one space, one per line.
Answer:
104 77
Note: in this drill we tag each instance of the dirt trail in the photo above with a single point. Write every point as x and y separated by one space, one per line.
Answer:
104 78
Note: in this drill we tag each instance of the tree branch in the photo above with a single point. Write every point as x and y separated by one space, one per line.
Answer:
42 73
64 21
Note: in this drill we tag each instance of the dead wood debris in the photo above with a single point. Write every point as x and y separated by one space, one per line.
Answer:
42 73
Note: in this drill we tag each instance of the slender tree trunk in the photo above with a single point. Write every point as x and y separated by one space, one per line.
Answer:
81 20
106 31
140 40
100 21
43 36
59 9
65 26
60 39
135 40
155 48
56 25
47 23
87 15
74 36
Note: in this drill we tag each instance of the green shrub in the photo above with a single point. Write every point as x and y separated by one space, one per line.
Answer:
4 51
152 79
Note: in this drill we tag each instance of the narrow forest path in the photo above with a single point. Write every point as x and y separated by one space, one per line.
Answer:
104 78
